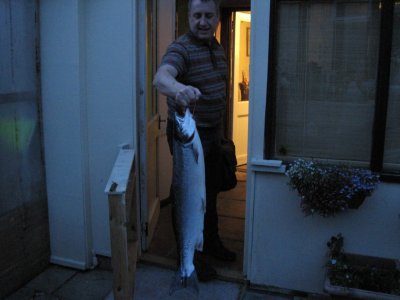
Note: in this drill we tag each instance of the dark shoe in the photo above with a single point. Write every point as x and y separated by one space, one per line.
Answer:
217 250
205 272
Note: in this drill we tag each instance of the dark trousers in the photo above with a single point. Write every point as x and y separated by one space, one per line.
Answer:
211 142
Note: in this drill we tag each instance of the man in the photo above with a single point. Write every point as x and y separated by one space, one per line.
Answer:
193 74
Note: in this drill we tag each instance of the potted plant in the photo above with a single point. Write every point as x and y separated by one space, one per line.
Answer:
328 189
359 276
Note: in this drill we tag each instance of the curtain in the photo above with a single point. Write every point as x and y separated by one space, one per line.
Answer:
392 143
327 56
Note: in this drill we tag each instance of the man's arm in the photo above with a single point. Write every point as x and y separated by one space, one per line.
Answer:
166 83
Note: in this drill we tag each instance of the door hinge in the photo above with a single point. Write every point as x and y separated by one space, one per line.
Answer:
160 121
145 228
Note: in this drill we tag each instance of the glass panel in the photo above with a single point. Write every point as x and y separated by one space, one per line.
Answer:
392 144
21 171
327 55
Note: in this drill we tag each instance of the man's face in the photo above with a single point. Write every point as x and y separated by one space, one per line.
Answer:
203 19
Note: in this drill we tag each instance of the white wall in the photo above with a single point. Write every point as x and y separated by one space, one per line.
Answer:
289 249
62 72
110 95
88 88
283 248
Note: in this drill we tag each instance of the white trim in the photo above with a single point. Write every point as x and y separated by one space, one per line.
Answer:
266 166
84 136
103 253
66 262
260 12
266 163
65 138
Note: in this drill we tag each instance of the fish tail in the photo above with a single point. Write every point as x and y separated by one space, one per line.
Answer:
191 284
200 242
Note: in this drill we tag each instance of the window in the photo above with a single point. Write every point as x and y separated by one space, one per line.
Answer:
391 158
326 59
22 173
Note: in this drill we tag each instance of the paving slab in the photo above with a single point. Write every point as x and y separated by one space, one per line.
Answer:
51 279
29 294
43 285
255 295
153 282
86 285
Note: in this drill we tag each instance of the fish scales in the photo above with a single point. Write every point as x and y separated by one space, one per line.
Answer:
188 183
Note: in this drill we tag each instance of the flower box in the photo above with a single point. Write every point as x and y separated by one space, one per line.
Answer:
359 276
329 189
390 265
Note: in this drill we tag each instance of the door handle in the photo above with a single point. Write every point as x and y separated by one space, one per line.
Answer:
160 121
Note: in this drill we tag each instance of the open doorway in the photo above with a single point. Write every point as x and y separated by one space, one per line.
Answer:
240 86
234 34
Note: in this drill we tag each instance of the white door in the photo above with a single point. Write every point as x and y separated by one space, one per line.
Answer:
240 85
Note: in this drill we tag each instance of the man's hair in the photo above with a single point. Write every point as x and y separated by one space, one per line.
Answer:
216 2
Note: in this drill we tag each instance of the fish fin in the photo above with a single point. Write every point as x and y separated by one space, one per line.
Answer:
191 284
200 241
195 153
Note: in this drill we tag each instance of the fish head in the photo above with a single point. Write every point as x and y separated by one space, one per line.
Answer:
185 126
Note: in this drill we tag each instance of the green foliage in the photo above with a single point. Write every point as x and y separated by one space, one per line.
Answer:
329 189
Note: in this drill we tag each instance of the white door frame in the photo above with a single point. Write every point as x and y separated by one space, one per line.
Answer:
259 50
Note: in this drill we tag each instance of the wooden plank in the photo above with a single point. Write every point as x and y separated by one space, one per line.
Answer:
24 249
123 225
119 256
11 235
133 230
131 207
118 180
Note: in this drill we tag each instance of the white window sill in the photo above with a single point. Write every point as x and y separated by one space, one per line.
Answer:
267 166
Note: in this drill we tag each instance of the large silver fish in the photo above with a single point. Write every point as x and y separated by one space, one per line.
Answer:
188 183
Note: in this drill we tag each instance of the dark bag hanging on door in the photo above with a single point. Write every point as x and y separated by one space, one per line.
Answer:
228 164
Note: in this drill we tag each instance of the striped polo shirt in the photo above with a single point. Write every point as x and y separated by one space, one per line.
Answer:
202 66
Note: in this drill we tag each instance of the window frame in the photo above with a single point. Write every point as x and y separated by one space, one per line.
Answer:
381 97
